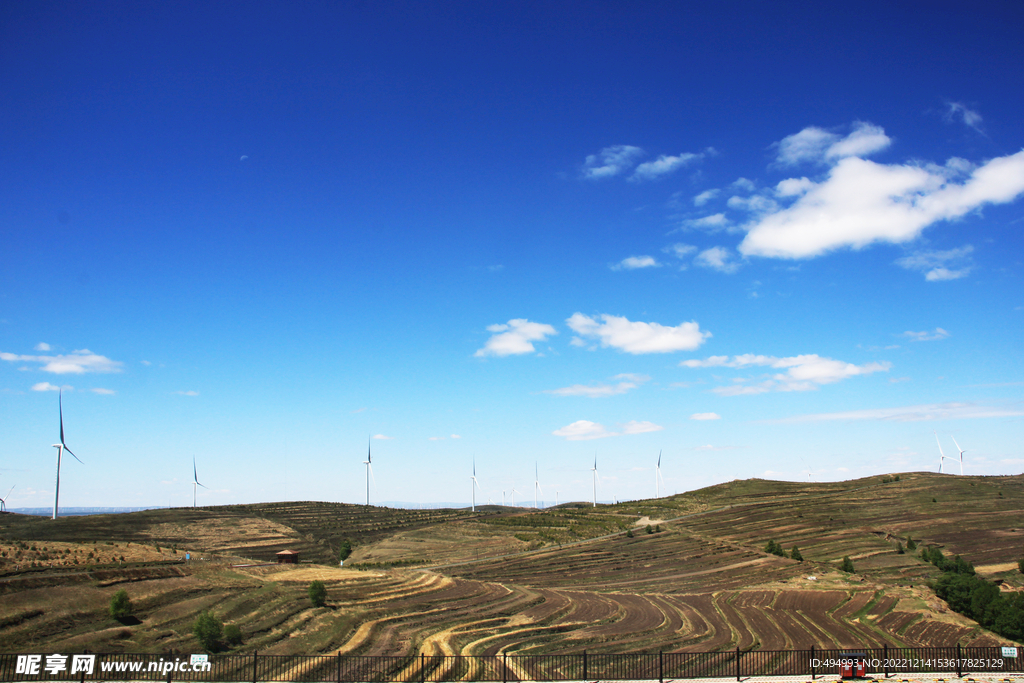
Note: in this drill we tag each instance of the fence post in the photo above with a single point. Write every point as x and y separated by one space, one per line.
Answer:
958 666
423 667
339 666
661 667
885 658
584 665
812 662
255 657
737 663
504 667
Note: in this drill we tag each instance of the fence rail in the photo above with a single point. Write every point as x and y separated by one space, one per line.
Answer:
507 668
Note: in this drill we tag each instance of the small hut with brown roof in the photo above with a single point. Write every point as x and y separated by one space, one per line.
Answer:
288 557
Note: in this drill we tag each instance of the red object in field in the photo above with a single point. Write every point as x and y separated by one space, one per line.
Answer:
852 665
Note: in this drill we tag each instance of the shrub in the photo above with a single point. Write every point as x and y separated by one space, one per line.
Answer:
120 605
629 534
910 543
649 529
1020 565
345 550
318 594
899 548
774 548
847 565
208 629
795 554
233 635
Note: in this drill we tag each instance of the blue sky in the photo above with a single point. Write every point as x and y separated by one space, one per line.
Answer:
765 240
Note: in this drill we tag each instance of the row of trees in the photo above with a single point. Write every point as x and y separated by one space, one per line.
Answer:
777 549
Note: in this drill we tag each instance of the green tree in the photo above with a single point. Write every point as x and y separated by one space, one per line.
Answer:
629 534
911 545
795 554
345 550
899 548
120 605
847 565
771 547
318 594
208 630
649 529
233 635
1020 565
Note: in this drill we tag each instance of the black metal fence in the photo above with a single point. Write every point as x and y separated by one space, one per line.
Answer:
583 666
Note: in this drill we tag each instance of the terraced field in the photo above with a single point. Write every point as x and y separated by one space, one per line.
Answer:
513 581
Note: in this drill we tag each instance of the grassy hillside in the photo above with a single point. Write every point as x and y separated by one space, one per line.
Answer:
506 579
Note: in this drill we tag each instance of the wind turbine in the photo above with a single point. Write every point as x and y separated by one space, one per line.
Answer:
962 451
594 470
942 456
61 447
658 479
3 501
195 481
475 485
369 471
514 492
536 486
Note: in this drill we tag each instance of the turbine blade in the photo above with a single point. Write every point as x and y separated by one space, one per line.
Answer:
73 455
941 454
368 458
8 494
958 445
60 407
659 460
195 475
370 468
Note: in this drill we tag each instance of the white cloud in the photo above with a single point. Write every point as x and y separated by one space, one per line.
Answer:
864 140
45 386
814 144
515 338
42 346
862 202
793 187
186 393
705 416
583 430
939 333
454 436
711 223
744 184
103 392
635 262
969 117
705 196
802 373
932 411
77 362
435 438
145 362
679 250
717 258
663 165
638 337
634 427
936 264
381 437
626 383
755 204
611 161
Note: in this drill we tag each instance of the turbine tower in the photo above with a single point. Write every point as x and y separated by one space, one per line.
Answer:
514 492
658 479
942 456
536 486
61 447
962 451
369 471
195 481
3 501
594 470
475 485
